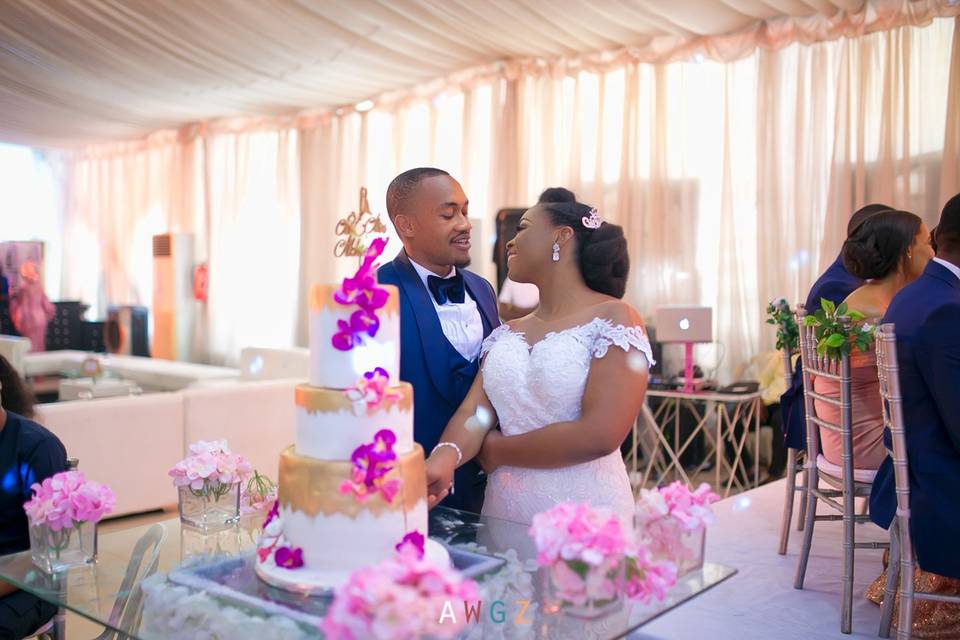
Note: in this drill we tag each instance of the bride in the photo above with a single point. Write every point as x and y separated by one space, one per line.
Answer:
565 383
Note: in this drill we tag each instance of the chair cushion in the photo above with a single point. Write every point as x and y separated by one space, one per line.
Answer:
859 475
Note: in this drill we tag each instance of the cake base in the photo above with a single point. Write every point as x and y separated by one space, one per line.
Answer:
324 582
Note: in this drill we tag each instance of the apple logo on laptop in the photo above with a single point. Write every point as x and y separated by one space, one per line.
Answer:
684 324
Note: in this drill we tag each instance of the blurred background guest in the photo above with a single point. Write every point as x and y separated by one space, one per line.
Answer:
30 309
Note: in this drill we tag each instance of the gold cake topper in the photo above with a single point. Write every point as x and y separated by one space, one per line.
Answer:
355 227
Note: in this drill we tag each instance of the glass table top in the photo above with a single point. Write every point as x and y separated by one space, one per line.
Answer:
92 591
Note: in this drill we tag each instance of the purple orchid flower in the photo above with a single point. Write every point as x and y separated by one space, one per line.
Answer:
413 540
288 558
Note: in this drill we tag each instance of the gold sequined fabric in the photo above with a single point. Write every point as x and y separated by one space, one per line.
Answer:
935 620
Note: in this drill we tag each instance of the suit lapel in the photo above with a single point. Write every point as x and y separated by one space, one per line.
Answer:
434 343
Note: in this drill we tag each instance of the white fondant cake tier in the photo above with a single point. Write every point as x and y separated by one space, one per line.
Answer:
330 427
322 581
336 369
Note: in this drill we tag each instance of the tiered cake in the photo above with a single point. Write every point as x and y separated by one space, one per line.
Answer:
354 484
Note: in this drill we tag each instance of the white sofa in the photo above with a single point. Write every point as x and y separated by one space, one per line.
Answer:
148 372
256 418
128 443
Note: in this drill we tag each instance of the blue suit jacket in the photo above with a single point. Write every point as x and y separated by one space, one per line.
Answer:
927 318
835 285
425 362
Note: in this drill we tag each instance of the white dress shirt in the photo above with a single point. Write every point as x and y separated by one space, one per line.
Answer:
954 269
461 323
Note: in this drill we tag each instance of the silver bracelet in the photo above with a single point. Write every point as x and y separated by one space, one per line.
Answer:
453 446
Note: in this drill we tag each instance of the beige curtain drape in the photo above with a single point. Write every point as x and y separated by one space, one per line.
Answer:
733 180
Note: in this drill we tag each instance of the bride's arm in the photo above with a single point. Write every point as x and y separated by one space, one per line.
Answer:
466 429
612 400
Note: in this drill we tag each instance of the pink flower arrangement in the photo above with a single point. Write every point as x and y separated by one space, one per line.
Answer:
210 464
371 463
67 499
590 559
361 290
666 516
400 599
373 389
647 578
259 493
584 549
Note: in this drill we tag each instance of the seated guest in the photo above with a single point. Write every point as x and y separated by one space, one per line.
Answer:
926 315
834 285
888 251
28 454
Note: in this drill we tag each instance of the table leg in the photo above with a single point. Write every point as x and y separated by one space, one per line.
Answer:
756 445
59 630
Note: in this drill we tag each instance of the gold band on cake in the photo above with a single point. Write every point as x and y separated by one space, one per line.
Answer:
321 297
323 400
313 486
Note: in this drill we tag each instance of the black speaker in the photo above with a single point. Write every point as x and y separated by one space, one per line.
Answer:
507 221
125 331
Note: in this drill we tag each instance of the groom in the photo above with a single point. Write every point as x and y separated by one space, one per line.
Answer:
445 311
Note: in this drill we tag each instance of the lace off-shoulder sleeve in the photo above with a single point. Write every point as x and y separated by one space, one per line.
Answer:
634 337
492 338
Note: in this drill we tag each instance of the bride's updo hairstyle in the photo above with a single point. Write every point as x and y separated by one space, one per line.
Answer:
603 258
880 244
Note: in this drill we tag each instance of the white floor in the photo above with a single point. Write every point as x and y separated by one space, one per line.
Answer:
760 601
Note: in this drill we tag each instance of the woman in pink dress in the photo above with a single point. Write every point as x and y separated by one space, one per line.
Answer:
30 310
888 251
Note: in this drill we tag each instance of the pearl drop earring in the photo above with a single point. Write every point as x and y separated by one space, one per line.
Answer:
556 252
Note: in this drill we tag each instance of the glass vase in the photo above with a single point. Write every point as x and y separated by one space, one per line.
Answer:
690 551
55 551
584 591
214 507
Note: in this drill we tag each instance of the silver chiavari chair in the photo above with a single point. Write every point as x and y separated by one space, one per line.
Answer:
849 484
794 457
902 564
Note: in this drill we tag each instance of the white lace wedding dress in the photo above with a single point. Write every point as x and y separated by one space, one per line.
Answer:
533 386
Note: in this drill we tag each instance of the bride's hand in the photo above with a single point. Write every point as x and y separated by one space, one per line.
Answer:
440 468
486 457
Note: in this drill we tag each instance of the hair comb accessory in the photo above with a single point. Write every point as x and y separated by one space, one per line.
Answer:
593 221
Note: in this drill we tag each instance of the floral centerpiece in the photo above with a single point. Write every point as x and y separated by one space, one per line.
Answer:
401 598
671 521
209 480
839 329
590 562
63 515
258 495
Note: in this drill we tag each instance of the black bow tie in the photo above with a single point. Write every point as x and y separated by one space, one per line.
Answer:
447 289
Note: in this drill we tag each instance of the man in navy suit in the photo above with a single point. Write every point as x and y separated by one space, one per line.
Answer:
835 284
445 310
926 315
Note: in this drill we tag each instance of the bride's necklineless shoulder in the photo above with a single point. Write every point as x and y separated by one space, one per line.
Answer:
562 325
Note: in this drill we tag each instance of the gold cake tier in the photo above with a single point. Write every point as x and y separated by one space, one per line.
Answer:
313 486
321 297
324 400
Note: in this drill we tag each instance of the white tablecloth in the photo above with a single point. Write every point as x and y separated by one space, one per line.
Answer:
760 601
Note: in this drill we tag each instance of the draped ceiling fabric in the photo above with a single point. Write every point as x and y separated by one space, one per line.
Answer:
733 161
85 71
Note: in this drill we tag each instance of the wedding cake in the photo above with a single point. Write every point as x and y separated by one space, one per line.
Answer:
353 486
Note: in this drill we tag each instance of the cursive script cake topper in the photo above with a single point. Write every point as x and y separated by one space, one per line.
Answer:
353 229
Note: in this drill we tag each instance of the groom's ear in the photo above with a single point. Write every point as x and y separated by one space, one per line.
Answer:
404 225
